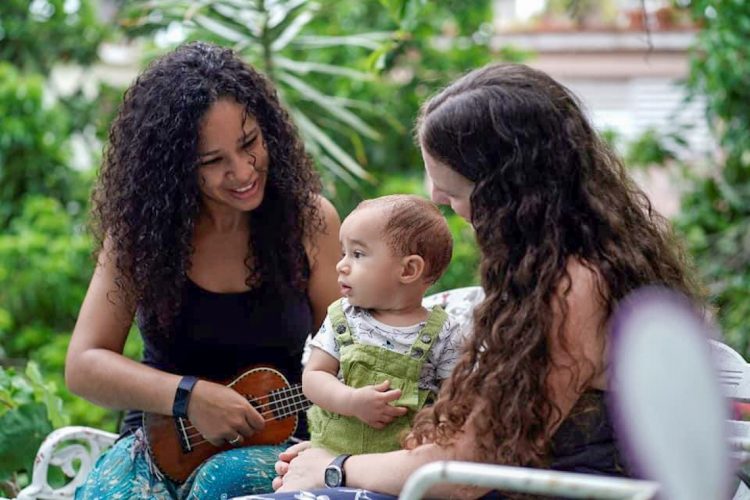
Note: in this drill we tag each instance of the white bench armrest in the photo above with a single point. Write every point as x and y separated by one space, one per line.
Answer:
525 480
734 371
63 448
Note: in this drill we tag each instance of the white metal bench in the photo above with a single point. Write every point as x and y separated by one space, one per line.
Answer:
76 449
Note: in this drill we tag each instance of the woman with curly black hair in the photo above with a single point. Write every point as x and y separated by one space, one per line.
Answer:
213 235
564 235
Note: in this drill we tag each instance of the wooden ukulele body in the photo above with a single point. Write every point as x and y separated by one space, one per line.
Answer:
177 448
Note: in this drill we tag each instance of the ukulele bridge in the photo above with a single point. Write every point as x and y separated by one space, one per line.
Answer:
182 424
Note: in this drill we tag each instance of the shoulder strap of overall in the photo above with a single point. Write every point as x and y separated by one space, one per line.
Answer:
339 323
429 332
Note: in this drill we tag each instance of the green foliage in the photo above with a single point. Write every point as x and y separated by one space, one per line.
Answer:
35 35
719 238
34 154
44 252
45 265
611 136
435 42
29 408
648 149
398 9
716 213
272 37
464 267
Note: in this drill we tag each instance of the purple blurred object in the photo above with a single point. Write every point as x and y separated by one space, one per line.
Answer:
668 408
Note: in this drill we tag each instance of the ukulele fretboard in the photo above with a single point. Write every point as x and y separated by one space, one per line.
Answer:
287 401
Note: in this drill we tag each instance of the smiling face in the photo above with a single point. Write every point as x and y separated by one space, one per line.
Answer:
369 271
233 158
448 187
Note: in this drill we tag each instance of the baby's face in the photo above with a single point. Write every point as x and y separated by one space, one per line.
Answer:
369 272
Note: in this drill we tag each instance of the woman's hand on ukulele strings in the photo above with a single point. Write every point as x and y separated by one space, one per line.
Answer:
222 415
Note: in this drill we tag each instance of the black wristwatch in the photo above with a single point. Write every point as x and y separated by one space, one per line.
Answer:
334 475
182 396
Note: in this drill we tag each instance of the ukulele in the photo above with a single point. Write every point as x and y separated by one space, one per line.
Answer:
177 448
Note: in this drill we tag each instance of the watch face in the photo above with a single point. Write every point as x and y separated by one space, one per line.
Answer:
332 476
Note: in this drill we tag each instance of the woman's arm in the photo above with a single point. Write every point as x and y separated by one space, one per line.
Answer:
96 369
302 468
323 252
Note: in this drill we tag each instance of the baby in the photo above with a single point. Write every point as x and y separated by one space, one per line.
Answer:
380 356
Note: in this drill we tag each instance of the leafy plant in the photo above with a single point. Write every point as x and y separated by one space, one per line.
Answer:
716 212
612 137
44 252
35 35
29 409
648 149
45 264
34 152
434 42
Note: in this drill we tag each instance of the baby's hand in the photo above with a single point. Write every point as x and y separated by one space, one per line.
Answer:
370 404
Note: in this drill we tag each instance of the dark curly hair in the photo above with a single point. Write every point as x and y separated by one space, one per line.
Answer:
547 189
147 198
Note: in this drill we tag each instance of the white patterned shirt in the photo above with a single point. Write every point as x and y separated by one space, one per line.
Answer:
367 330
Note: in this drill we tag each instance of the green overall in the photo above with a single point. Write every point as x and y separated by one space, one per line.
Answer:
369 365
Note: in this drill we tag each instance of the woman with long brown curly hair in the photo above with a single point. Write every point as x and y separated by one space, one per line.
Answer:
564 235
213 235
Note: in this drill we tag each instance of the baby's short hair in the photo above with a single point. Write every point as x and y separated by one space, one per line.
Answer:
415 226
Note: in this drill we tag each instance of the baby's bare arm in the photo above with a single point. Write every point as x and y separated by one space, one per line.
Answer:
322 387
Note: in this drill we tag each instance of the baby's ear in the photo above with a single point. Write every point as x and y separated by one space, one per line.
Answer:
412 269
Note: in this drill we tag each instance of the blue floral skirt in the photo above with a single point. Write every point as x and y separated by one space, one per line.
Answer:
323 494
125 471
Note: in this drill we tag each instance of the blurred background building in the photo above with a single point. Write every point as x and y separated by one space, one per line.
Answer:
626 65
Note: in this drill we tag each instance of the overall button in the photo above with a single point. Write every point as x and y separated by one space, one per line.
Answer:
340 329
426 339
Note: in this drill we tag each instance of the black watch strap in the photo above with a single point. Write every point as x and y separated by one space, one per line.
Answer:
336 468
182 396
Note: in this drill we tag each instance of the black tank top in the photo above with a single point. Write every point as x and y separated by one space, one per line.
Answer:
217 335
585 441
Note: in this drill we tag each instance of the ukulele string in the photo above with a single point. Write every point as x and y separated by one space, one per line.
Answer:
204 441
191 436
191 427
296 404
286 392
